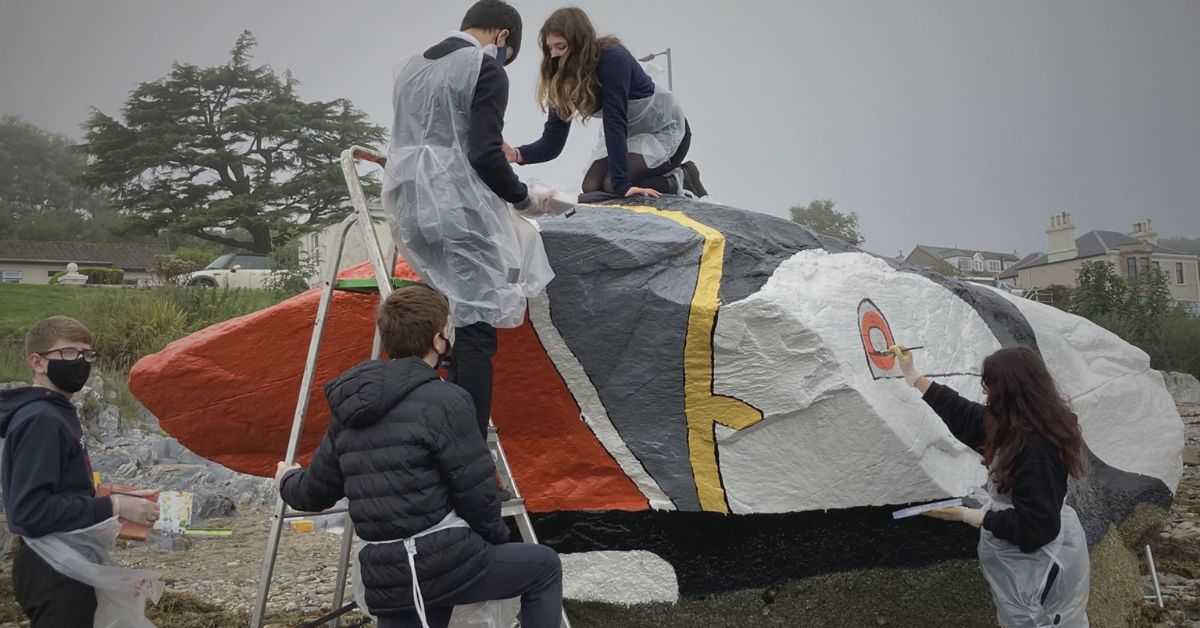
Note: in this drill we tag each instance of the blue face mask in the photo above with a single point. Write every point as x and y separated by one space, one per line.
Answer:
500 52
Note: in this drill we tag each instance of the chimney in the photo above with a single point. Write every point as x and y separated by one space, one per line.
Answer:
1144 231
1060 238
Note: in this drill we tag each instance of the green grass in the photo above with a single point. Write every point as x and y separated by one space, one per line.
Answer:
127 324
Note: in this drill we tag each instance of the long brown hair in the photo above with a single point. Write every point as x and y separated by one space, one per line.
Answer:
1022 400
568 84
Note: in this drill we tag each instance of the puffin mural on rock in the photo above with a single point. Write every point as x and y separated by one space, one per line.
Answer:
694 384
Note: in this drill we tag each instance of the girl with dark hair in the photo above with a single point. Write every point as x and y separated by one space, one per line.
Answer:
1031 548
645 137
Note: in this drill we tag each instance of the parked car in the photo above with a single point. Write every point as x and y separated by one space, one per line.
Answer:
233 270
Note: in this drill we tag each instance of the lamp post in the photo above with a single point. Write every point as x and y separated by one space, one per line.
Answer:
667 53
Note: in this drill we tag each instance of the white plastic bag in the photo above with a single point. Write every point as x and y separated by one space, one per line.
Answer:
86 555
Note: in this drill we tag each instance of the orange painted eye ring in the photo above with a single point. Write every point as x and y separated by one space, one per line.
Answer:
872 319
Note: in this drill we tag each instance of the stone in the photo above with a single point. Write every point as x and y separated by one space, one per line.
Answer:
618 578
1184 387
702 383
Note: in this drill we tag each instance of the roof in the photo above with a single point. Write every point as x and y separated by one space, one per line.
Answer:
124 256
1099 242
1033 259
1091 244
944 252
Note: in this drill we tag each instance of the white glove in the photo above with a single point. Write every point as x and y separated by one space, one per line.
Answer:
972 516
541 201
904 358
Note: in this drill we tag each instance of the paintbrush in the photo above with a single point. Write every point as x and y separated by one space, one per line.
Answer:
905 348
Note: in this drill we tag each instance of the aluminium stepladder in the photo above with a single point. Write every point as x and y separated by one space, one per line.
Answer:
384 283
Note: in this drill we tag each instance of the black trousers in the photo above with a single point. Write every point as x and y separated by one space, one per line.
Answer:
48 598
471 367
531 571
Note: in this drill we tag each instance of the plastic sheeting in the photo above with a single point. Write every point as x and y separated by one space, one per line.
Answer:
462 238
656 127
86 555
1026 595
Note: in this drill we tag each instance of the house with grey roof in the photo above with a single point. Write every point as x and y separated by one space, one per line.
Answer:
1131 254
36 261
968 263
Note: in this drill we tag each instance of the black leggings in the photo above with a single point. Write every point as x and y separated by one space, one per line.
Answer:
642 176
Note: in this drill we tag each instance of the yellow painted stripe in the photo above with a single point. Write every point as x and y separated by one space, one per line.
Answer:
702 407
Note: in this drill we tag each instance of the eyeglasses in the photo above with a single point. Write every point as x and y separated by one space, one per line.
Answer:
71 354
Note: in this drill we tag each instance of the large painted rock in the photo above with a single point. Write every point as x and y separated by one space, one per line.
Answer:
690 362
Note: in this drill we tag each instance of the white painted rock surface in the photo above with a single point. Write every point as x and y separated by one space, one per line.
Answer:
635 577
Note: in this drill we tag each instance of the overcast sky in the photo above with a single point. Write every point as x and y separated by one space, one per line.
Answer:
951 123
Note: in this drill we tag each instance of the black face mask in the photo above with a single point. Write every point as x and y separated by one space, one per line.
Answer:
444 358
68 375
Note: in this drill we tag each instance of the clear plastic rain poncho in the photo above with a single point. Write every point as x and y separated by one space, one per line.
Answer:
656 127
1021 583
454 231
87 556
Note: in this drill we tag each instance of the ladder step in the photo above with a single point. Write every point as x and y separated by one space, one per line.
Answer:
368 285
297 514
512 507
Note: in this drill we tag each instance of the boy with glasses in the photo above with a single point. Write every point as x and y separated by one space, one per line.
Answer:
47 474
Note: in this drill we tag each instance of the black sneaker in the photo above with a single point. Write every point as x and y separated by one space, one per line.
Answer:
691 179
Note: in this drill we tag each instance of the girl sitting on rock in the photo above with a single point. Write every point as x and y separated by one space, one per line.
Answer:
1032 547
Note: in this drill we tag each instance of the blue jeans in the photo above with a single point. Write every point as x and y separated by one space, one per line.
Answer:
528 570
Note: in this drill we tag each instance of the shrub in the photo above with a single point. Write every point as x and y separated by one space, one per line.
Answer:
96 276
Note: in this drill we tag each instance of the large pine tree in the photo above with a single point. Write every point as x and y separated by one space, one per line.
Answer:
227 150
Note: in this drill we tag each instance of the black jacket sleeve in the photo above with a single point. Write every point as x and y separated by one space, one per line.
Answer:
1038 490
39 447
467 468
319 486
486 133
963 416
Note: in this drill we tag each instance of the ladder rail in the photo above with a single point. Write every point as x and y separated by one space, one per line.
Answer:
314 347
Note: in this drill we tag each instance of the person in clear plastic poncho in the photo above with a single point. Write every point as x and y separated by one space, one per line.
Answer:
63 571
1032 548
447 189
644 137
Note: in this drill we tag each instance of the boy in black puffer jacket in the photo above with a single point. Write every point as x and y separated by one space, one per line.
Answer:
404 447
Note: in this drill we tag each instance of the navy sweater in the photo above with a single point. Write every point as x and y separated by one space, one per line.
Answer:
1039 483
47 475
621 79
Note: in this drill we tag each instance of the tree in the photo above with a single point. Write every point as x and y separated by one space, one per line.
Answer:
1100 290
1191 246
36 172
1134 308
820 216
207 151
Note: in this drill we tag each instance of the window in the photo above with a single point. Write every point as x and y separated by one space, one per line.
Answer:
314 241
51 273
11 276
964 264
1131 268
1178 272
253 262
978 264
994 265
1155 266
